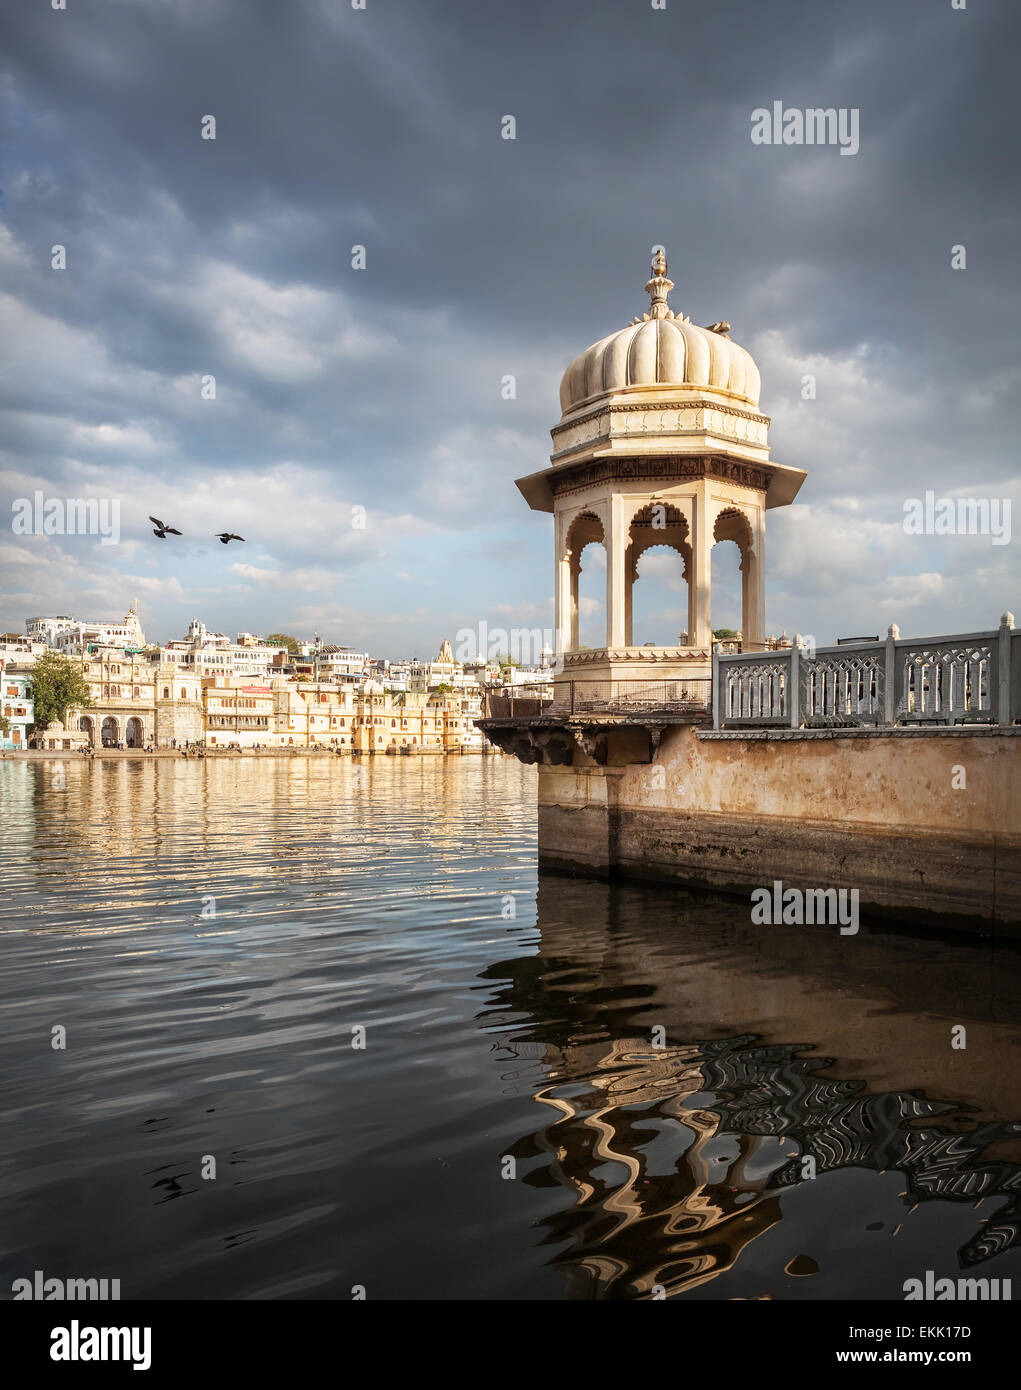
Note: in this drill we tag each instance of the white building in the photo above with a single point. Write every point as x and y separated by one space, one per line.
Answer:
15 705
203 653
45 629
74 635
342 665
25 651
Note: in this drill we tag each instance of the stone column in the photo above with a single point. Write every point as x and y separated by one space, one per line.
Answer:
700 630
630 575
574 563
616 552
753 615
566 586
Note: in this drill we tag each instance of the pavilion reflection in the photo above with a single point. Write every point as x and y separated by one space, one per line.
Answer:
676 1157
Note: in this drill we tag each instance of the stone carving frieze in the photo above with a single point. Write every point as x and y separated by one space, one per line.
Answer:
668 418
645 656
635 407
660 468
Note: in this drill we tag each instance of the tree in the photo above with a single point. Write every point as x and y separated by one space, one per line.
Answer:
57 685
281 639
5 725
725 634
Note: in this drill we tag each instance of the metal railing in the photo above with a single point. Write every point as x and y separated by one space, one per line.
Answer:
691 695
513 706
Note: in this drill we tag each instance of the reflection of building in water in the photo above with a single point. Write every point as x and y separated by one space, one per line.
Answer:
677 1158
630 1231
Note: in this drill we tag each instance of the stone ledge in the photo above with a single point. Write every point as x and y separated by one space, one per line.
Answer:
907 731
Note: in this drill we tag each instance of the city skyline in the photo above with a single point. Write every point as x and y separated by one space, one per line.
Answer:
383 389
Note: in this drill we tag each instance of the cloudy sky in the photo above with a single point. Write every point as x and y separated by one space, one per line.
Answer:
339 388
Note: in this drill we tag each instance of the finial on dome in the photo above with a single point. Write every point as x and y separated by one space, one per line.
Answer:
659 287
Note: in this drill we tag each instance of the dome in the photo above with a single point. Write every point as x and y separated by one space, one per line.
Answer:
661 350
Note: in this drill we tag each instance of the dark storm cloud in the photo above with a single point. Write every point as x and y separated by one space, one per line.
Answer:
488 257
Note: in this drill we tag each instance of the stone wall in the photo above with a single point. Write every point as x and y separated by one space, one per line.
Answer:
874 810
183 720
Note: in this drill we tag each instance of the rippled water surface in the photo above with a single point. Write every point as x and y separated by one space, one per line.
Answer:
213 935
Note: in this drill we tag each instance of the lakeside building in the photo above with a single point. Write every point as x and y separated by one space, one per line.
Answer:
16 706
204 689
122 685
366 719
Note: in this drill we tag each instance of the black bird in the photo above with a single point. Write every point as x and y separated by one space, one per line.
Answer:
162 530
225 537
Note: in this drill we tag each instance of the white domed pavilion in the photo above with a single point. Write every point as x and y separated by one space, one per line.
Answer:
660 442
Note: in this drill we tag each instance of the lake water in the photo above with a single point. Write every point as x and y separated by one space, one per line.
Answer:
214 935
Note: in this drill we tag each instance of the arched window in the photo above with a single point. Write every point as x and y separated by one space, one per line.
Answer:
586 600
659 608
728 569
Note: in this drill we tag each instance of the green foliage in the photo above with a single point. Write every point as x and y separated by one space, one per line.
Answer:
281 639
5 725
57 685
725 634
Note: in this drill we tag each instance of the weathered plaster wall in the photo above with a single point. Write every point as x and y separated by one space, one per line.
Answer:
877 812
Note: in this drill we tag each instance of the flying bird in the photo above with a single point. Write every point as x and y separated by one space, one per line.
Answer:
162 529
225 537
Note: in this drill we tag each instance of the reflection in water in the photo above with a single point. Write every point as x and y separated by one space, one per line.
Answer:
676 1155
210 933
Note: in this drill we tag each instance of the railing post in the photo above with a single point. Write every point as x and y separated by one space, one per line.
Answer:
794 683
716 685
890 676
1004 713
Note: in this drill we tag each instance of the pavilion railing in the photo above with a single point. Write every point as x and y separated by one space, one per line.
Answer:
687 695
691 695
